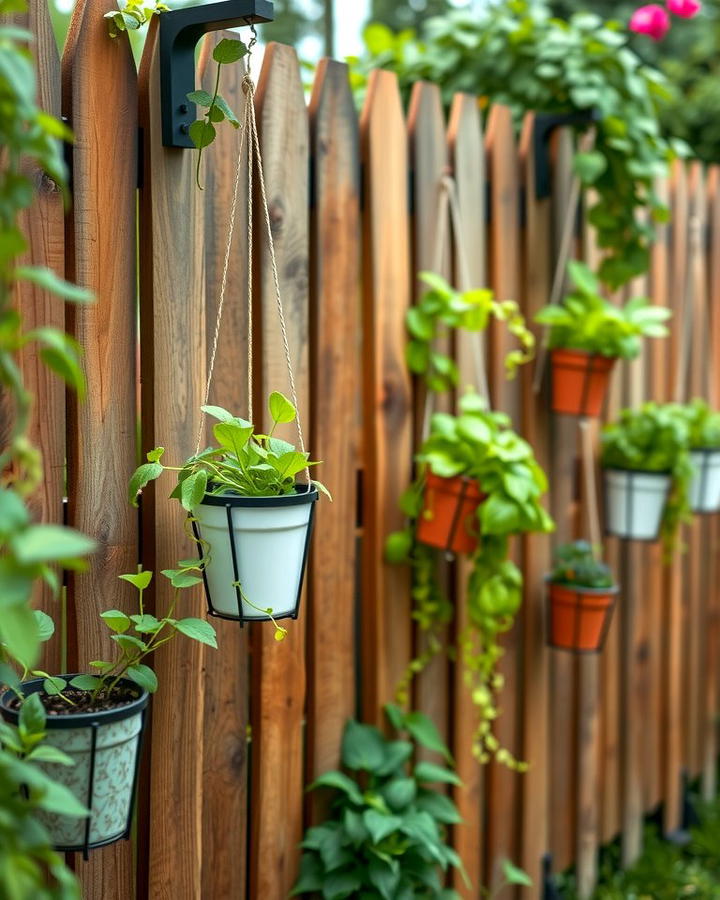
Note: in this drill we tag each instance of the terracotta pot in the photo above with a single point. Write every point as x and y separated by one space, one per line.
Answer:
579 617
448 519
580 382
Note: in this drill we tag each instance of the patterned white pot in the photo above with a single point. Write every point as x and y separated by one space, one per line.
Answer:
106 749
705 485
260 542
635 502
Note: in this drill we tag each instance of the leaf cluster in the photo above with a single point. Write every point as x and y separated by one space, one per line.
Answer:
576 564
654 438
29 868
478 444
517 53
202 131
133 15
386 836
587 321
704 425
442 309
245 463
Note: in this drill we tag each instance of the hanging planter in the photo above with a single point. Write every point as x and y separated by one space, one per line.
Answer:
581 599
647 470
635 503
104 746
579 382
587 335
705 484
259 548
448 519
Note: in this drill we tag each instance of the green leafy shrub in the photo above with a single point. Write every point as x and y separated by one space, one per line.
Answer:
516 53
575 564
704 425
442 309
654 438
480 445
387 835
587 321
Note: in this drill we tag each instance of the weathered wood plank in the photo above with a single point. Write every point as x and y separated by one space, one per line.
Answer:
100 100
387 407
279 668
43 227
226 685
503 788
335 407
173 360
467 155
428 165
537 278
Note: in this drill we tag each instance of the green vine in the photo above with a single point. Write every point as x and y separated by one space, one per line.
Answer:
133 15
517 53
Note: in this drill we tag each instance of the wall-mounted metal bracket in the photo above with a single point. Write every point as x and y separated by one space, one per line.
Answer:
180 30
549 888
545 124
689 817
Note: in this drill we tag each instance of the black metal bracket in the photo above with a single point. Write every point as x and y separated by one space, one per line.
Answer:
689 817
545 124
549 888
180 30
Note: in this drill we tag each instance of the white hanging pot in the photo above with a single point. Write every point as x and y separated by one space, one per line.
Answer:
257 549
105 745
705 484
635 502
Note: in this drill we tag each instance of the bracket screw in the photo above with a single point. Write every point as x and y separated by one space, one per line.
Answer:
183 108
184 128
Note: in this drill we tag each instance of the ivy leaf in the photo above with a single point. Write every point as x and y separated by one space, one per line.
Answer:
222 105
380 826
45 625
143 676
193 488
49 543
54 685
229 50
589 166
142 476
129 642
146 624
340 782
198 630
281 409
201 98
425 733
514 875
33 717
202 133
180 578
116 620
49 754
140 579
49 281
430 772
85 682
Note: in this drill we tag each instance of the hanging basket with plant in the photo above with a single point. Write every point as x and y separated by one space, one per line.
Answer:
85 731
581 599
647 470
587 335
704 426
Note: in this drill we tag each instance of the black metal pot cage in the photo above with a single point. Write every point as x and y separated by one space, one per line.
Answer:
631 497
578 612
304 494
93 721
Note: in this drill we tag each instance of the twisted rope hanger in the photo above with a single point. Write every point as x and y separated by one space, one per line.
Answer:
249 133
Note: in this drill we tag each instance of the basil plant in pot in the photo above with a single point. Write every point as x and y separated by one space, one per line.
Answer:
251 518
84 731
647 469
704 425
581 597
498 497
588 334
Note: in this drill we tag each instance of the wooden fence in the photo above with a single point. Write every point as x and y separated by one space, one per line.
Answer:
237 733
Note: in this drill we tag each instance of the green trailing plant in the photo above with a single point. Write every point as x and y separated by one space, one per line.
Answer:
31 141
587 321
386 835
576 564
479 445
704 425
440 310
517 53
655 438
133 15
202 131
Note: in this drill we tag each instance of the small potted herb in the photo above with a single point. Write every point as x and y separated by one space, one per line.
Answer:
88 728
252 519
647 468
587 335
704 426
581 596
507 484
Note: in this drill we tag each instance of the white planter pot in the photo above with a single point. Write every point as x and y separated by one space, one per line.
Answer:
105 746
705 485
634 503
260 542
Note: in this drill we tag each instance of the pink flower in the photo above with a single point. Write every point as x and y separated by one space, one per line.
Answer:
653 20
686 9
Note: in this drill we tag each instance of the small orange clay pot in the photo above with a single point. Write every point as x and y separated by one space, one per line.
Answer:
579 617
448 519
580 381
